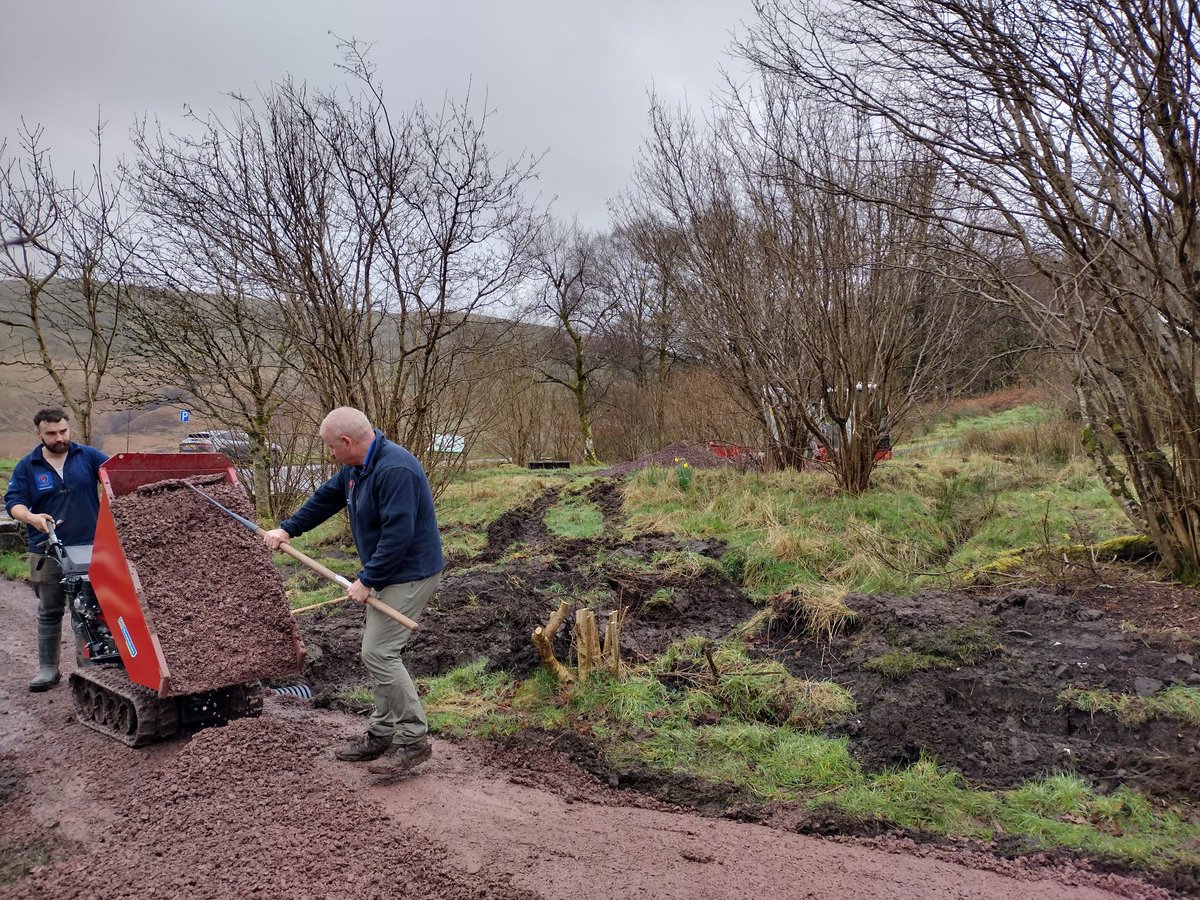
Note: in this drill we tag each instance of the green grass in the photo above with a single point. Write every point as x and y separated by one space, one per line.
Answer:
479 496
1018 417
896 665
14 565
1059 811
574 517
1178 704
927 520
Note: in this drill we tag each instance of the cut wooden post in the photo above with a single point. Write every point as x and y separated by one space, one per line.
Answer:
543 639
612 642
587 644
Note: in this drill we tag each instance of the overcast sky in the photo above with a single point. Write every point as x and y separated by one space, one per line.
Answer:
570 77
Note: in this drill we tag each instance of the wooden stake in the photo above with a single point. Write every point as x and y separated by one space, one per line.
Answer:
612 642
587 644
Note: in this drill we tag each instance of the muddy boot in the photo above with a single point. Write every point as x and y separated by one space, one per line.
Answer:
49 645
369 746
402 757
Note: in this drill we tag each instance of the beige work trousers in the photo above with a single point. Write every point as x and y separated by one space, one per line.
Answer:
398 712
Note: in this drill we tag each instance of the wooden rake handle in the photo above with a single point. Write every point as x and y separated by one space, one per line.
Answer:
333 576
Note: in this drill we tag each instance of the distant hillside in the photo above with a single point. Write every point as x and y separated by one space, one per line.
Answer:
24 390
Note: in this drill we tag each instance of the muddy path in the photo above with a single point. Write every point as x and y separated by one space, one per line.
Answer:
259 808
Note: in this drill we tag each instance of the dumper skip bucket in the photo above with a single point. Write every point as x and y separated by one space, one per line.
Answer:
115 579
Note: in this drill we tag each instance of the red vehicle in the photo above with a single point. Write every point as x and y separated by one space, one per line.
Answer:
123 684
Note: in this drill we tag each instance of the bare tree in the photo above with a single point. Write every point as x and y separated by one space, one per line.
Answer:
807 281
569 296
378 239
644 332
71 265
194 328
1072 130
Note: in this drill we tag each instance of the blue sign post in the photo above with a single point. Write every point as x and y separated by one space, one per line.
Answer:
184 415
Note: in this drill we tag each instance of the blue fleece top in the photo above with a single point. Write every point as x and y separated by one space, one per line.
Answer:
391 515
73 498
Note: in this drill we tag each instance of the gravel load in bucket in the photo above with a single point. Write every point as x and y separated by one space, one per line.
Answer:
209 589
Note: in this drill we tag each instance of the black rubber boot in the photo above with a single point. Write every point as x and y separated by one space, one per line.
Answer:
49 647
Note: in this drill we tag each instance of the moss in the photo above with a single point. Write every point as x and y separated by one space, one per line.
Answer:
1126 547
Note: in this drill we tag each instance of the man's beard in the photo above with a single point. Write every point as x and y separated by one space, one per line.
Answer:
57 446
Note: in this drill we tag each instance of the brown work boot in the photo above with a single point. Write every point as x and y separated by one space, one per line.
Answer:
369 746
402 757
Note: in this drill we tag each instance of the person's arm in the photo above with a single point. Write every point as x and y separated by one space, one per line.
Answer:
17 501
396 494
326 500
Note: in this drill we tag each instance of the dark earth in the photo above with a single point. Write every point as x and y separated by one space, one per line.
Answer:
260 808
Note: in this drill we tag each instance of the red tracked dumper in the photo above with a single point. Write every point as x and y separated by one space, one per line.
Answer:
123 684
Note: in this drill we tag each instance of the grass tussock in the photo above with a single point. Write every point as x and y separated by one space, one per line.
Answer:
1057 441
1178 704
817 610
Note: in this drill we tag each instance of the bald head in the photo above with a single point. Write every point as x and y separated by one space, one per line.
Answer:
347 420
347 433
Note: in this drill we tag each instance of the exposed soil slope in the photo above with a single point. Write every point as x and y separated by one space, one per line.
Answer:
988 704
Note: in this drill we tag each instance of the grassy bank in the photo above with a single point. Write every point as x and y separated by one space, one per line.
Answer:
1003 492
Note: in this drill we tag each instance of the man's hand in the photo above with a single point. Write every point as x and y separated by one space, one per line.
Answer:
358 591
43 522
275 537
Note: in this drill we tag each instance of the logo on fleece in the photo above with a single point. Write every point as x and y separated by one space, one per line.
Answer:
44 482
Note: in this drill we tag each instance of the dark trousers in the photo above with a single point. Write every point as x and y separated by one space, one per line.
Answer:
46 575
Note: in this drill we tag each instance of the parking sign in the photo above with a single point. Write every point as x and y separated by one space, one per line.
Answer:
184 415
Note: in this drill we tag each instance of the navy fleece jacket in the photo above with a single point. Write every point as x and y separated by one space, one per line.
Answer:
73 498
391 515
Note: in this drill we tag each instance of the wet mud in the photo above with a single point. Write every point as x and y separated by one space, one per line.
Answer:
209 588
488 611
989 704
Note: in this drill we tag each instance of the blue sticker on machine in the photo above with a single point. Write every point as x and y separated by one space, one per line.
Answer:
128 639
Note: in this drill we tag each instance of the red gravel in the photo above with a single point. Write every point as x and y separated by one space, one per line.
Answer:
209 588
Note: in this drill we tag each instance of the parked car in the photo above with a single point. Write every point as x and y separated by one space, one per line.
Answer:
234 444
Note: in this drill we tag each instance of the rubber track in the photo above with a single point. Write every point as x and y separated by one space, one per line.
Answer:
106 700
